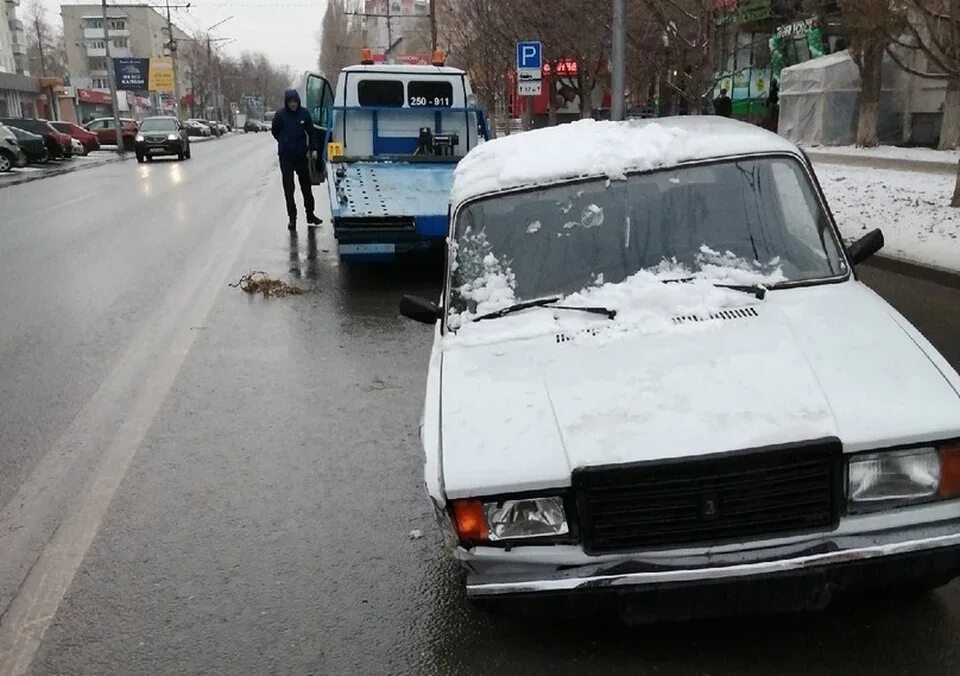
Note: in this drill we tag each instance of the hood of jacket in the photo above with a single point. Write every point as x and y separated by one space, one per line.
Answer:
291 95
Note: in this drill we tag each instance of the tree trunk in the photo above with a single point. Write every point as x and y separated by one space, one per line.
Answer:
550 84
586 96
950 124
955 202
869 114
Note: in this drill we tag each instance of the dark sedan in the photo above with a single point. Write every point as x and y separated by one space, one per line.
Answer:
32 145
162 136
57 143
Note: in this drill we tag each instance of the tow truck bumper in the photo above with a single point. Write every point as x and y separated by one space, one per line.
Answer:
385 238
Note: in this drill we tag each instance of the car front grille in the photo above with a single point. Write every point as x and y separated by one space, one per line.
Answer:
743 495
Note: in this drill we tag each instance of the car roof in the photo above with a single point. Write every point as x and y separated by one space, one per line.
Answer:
592 149
403 69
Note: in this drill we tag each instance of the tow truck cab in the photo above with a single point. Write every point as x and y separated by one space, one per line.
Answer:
396 135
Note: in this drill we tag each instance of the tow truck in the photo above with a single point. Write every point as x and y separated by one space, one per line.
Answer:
394 135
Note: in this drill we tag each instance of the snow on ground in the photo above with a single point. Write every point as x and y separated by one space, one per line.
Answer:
911 208
891 153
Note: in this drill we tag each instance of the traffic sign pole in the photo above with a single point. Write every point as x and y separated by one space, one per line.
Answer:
529 74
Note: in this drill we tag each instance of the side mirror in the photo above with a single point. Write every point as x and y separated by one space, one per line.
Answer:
865 247
420 310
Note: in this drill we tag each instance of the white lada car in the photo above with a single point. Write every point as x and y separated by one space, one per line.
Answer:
656 379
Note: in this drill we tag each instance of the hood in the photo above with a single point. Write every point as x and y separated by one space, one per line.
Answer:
823 361
291 95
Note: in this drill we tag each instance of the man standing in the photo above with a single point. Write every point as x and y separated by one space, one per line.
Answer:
723 105
294 131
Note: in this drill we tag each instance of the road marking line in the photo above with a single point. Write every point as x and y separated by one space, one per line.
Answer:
160 351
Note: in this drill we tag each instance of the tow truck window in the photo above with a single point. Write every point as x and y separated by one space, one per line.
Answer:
430 94
380 93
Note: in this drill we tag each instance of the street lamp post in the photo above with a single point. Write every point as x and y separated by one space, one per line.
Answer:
111 79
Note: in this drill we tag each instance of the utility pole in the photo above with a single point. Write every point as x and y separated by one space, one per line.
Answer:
433 26
172 46
618 57
111 78
43 60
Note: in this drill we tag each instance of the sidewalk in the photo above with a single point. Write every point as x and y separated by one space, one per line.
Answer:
903 191
35 172
888 157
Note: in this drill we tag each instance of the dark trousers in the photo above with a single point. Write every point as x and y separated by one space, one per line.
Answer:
300 167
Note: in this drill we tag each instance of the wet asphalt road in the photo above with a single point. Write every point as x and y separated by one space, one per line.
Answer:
261 460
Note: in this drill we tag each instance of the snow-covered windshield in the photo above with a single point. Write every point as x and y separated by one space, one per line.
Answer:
758 217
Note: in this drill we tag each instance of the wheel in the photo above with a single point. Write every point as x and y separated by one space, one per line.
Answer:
6 162
149 159
140 158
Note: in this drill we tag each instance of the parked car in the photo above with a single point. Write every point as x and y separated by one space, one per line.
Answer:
162 136
657 381
251 126
204 126
77 147
266 125
11 154
107 134
58 144
216 127
88 139
196 129
32 145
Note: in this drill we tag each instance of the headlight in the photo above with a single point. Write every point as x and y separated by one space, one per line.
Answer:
172 137
139 138
893 478
513 519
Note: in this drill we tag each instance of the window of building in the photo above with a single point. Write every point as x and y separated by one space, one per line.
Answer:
380 93
94 23
96 44
121 43
97 63
101 83
118 24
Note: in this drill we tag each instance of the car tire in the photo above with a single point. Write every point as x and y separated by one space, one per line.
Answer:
6 162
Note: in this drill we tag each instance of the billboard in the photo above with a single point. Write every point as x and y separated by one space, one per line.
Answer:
131 73
161 74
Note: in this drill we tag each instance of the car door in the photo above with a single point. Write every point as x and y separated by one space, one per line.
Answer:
318 96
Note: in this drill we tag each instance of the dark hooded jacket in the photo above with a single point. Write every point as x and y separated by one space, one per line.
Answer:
294 131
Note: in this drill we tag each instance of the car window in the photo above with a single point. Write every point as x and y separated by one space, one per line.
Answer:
431 93
380 93
753 214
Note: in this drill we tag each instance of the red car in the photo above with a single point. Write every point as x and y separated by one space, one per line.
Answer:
103 128
88 139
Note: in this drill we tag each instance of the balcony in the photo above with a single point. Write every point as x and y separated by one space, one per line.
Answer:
15 25
96 51
15 3
97 33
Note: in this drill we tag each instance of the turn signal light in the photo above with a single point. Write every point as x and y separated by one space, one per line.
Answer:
366 57
950 470
470 520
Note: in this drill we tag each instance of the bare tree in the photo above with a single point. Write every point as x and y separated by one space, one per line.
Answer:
339 38
869 23
932 28
46 53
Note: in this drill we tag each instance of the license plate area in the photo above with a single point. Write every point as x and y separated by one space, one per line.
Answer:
358 249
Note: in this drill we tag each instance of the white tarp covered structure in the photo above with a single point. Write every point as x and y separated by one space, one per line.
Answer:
819 100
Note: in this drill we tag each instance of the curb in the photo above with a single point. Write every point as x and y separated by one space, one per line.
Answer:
882 162
50 173
930 273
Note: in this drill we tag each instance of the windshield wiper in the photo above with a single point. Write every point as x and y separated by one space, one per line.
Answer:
755 290
544 302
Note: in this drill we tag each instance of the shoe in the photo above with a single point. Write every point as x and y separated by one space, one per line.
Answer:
313 220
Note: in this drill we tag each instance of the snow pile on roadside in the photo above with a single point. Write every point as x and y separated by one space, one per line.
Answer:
890 153
913 210
592 148
647 301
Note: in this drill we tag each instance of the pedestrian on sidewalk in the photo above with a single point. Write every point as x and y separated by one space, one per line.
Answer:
723 105
294 131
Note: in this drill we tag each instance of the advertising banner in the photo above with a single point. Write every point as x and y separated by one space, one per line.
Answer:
131 74
161 74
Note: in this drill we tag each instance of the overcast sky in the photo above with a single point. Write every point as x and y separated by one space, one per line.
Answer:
284 30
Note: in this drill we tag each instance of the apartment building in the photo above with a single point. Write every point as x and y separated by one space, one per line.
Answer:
17 89
133 31
397 27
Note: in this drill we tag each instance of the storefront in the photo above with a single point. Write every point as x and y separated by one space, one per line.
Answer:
18 95
93 103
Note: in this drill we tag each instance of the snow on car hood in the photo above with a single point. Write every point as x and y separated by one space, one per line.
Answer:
827 360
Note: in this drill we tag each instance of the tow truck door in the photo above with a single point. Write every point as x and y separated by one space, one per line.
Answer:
319 99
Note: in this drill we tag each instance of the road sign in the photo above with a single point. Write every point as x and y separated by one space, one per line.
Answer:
529 87
529 60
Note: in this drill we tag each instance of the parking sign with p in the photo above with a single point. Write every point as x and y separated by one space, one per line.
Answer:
529 60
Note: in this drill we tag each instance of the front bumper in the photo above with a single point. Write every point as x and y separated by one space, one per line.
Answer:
827 564
166 148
